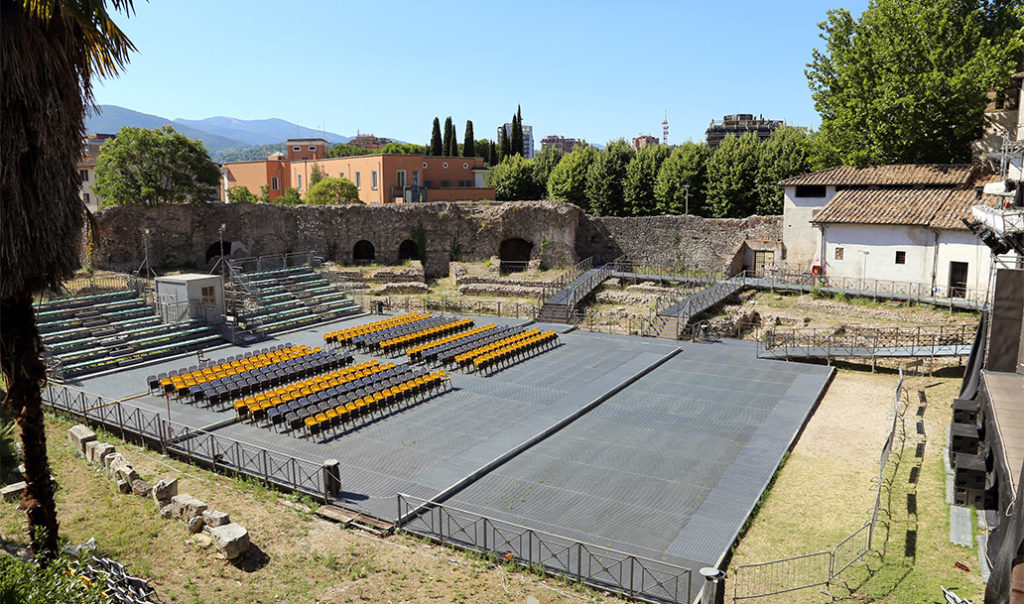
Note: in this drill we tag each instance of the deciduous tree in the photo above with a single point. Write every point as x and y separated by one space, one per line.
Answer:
906 82
788 152
153 167
568 180
682 180
241 194
732 172
641 174
605 179
545 162
513 179
333 191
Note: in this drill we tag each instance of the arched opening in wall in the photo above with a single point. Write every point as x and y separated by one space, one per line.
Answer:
514 255
363 252
214 250
408 250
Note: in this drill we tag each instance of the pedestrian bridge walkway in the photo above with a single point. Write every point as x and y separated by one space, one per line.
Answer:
867 342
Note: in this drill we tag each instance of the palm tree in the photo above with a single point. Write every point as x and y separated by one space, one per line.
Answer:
49 51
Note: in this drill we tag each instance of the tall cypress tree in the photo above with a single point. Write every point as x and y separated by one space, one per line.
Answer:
446 146
516 144
503 151
454 150
435 138
468 144
492 154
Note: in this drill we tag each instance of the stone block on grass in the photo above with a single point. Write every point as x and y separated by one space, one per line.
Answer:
164 490
123 486
101 451
80 435
12 492
214 518
185 507
231 539
141 488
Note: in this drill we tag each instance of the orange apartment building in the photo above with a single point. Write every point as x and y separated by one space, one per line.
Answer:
379 178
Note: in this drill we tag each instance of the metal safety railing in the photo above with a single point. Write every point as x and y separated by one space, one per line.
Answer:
824 568
601 567
864 342
273 467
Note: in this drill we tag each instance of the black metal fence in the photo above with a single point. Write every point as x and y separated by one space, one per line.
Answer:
193 444
600 567
824 568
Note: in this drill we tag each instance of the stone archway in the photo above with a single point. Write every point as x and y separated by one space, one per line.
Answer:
363 252
408 250
514 254
214 250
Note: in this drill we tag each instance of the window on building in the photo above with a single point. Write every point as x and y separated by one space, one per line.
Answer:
296 148
400 180
209 295
341 175
273 183
415 178
84 174
85 197
299 182
839 253
810 190
373 180
359 181
445 165
312 147
445 184
901 257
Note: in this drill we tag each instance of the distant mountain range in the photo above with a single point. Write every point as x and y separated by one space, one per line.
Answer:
223 136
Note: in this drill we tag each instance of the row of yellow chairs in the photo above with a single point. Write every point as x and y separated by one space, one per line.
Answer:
256 406
466 358
344 336
415 350
512 350
425 334
342 414
182 383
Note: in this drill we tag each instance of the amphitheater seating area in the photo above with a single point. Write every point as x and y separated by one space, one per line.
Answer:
87 334
289 298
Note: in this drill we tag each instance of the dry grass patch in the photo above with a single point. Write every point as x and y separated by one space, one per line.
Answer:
826 489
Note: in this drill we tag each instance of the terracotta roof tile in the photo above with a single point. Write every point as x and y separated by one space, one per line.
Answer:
892 175
932 208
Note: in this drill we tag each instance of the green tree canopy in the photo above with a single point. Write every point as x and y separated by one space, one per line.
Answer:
289 197
241 194
545 162
513 179
682 180
333 191
404 149
316 174
641 175
343 150
732 172
436 144
152 167
568 180
605 177
907 81
788 152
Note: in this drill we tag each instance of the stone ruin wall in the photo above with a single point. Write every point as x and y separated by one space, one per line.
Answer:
560 234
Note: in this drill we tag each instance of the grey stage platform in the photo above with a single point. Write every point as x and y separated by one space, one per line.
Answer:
668 468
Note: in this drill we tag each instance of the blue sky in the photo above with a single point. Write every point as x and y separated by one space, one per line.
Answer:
595 70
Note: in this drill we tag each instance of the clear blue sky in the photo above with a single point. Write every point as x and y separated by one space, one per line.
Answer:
595 70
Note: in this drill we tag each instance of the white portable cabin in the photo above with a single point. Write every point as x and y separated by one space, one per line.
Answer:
190 296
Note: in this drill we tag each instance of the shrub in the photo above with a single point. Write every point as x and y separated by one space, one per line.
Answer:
59 582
